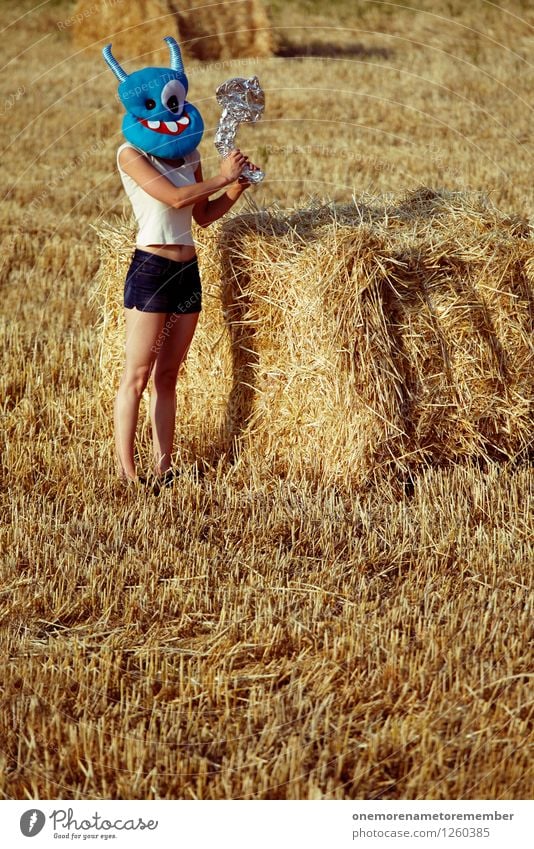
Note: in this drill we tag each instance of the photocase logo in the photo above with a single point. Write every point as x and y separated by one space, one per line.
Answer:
32 822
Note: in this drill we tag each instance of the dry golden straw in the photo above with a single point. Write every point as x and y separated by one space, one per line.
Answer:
245 634
225 30
205 31
136 29
345 342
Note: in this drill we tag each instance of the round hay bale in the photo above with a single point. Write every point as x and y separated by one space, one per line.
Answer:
345 343
205 32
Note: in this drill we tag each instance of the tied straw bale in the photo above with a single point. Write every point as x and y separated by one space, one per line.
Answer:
225 30
344 343
206 32
136 29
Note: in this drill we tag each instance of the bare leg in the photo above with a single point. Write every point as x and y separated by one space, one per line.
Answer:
142 330
174 342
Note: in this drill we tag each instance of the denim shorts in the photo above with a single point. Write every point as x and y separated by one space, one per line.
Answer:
155 283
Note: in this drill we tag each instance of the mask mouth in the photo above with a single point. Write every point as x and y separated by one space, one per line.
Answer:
168 128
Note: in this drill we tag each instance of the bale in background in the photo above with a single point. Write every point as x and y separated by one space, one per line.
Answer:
346 343
136 29
223 31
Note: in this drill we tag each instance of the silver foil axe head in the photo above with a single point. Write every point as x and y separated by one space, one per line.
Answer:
243 102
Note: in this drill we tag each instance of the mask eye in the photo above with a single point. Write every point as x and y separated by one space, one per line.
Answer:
149 103
173 96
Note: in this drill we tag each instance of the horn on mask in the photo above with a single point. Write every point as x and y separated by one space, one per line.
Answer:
176 56
119 72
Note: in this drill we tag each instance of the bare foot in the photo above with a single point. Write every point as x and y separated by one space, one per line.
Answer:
165 479
131 478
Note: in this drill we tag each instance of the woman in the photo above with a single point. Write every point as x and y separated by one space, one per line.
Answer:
162 293
161 172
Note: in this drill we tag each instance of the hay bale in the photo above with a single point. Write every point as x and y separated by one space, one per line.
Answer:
344 343
136 29
205 32
225 31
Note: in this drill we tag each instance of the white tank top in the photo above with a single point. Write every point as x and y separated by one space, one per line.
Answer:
159 223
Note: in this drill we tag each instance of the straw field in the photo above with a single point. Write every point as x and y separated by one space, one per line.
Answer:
334 602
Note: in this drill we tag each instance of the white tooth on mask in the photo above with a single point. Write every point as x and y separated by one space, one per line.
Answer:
172 126
154 125
184 120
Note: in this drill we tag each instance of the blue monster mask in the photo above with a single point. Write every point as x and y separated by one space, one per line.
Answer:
158 120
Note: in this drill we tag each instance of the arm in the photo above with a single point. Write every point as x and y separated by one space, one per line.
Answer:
206 211
159 187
